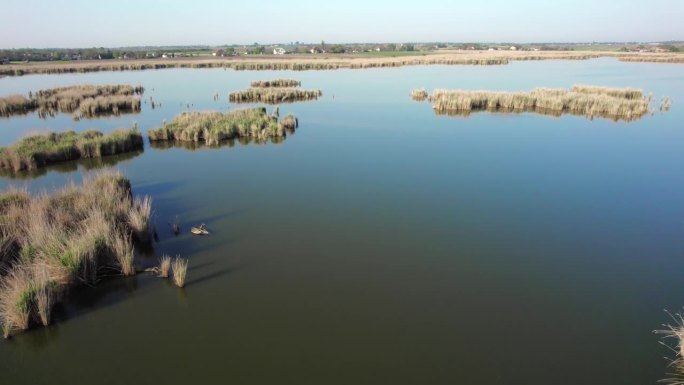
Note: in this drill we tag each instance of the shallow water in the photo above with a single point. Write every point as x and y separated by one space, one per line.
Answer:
382 243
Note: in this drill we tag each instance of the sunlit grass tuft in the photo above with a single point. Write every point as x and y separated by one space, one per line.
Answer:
180 268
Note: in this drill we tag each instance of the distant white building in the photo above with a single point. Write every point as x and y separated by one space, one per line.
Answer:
278 51
513 48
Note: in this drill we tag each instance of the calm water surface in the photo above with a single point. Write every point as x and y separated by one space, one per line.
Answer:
382 244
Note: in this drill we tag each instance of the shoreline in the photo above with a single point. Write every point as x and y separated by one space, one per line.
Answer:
329 62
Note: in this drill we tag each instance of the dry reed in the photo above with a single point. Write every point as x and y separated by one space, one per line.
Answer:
273 95
419 94
180 268
164 266
276 83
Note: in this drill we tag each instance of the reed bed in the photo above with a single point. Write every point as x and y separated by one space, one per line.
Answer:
653 58
40 150
88 100
53 241
303 63
624 93
179 268
674 331
273 95
215 127
276 83
617 104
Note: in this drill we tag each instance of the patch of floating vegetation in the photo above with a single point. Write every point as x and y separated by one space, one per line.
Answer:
40 150
273 95
73 236
82 101
275 83
213 127
592 101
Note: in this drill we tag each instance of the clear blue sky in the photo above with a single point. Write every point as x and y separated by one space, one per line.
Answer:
90 23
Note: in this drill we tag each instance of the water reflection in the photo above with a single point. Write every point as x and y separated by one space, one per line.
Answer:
71 166
195 146
540 111
45 113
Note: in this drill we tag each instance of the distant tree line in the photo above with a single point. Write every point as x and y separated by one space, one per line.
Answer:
58 54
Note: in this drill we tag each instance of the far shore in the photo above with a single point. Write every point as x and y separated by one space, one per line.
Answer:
329 61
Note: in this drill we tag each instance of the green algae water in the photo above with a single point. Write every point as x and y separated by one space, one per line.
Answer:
382 243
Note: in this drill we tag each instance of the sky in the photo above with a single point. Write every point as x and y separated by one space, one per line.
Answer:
94 23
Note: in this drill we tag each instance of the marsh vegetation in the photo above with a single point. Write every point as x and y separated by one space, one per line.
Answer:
614 103
82 101
40 150
275 83
273 95
213 127
73 236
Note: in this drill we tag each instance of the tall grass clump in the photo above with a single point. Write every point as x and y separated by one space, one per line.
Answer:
214 127
88 100
139 218
39 150
617 104
419 94
61 239
273 95
164 266
180 268
275 83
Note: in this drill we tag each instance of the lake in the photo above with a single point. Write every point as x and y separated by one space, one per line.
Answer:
381 243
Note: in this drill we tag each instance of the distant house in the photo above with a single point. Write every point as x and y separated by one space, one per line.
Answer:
4 61
316 50
165 56
279 51
490 49
513 48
